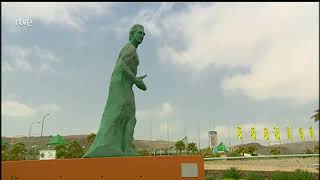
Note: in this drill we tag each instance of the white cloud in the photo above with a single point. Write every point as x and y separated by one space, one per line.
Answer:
149 18
16 58
166 109
158 118
48 108
16 109
72 15
161 112
277 42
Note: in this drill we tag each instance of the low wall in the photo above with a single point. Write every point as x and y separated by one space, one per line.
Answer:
115 168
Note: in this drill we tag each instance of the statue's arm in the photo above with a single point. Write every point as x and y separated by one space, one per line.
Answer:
125 68
128 55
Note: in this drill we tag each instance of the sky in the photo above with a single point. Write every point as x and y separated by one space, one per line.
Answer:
210 66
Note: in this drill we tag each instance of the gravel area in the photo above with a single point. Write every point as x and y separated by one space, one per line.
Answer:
283 164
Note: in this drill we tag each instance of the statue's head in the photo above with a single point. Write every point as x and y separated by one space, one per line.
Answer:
136 33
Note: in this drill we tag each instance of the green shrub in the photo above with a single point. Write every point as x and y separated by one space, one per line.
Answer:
309 151
143 152
297 175
316 149
254 176
233 154
207 152
275 151
70 150
17 152
302 175
239 151
209 177
232 173
251 150
280 176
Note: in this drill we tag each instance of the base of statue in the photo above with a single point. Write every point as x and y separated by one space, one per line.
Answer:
111 168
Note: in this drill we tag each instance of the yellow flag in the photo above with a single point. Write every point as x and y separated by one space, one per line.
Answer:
253 133
289 133
276 133
266 134
301 133
311 131
239 133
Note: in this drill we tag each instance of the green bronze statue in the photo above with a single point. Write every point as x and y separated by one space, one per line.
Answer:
115 135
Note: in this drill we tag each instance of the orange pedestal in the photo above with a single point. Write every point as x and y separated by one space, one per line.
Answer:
115 168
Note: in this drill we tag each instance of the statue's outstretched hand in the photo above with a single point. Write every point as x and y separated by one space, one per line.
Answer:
142 77
140 84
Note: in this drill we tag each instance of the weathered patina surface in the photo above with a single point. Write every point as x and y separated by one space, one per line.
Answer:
115 135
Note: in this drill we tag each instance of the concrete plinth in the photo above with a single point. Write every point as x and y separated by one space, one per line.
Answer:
115 168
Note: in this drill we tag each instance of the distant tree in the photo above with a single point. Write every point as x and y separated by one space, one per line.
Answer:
74 150
71 150
91 137
316 149
180 146
61 151
240 151
309 151
316 115
233 154
17 151
251 150
4 152
207 152
4 155
192 147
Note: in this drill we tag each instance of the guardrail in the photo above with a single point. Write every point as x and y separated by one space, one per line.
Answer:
262 156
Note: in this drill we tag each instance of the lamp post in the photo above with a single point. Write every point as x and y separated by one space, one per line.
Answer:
29 137
42 125
31 127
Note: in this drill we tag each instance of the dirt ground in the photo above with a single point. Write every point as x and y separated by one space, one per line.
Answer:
283 164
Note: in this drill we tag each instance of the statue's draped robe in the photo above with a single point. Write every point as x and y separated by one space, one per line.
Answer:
115 135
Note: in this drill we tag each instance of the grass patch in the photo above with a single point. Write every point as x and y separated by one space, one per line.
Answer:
209 177
280 176
232 173
254 176
305 175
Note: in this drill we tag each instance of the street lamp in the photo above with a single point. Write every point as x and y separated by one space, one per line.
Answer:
31 127
42 124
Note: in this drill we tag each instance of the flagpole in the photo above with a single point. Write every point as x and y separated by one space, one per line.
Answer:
254 126
279 139
229 139
268 134
290 131
199 136
314 138
150 130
